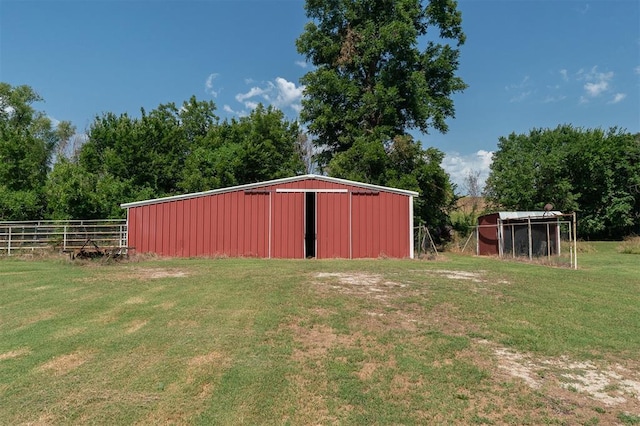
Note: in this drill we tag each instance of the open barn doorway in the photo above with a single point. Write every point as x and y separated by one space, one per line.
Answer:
310 224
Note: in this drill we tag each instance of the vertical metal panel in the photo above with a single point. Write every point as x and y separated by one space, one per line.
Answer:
332 220
411 241
146 227
380 225
218 225
206 226
200 228
288 225
192 227
179 251
173 230
233 219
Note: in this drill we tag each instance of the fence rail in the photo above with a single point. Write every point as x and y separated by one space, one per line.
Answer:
19 237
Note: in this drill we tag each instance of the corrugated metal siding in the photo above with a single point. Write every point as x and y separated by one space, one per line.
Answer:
380 225
354 224
488 235
232 224
332 225
287 238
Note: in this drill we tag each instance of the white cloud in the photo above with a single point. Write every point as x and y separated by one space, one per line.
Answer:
240 113
301 64
637 69
280 93
255 91
459 166
597 83
208 85
595 89
618 97
288 93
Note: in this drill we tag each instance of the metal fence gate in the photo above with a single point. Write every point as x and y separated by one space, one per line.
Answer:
21 237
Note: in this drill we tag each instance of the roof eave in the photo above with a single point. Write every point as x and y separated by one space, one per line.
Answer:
267 183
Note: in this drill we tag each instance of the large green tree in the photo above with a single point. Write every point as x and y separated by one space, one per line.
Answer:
379 70
591 171
383 68
27 142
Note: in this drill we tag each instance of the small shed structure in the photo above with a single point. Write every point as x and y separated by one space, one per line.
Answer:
298 217
530 234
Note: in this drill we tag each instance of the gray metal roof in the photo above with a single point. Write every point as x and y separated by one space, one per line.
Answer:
528 215
268 183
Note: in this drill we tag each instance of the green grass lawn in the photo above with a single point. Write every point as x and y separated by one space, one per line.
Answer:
458 340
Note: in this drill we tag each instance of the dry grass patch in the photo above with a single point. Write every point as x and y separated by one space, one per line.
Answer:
573 388
41 316
610 384
135 326
183 323
62 365
68 332
166 305
136 300
366 285
15 354
136 273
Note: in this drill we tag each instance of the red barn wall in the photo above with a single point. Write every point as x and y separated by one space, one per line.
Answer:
267 222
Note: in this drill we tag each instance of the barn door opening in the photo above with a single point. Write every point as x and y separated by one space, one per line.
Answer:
310 224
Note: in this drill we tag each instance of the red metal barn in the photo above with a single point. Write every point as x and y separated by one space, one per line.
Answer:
298 217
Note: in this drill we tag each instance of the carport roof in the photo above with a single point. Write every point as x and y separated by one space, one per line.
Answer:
528 215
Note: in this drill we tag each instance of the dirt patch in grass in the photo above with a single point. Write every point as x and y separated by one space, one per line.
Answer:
137 300
140 274
42 316
135 326
42 287
206 364
574 388
312 342
165 305
611 384
370 286
183 323
215 358
64 364
68 332
154 274
15 354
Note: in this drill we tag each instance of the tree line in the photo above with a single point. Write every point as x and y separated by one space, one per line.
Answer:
168 151
593 172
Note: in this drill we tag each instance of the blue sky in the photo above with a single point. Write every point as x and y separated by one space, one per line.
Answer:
528 64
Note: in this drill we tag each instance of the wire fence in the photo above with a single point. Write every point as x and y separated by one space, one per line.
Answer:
21 237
